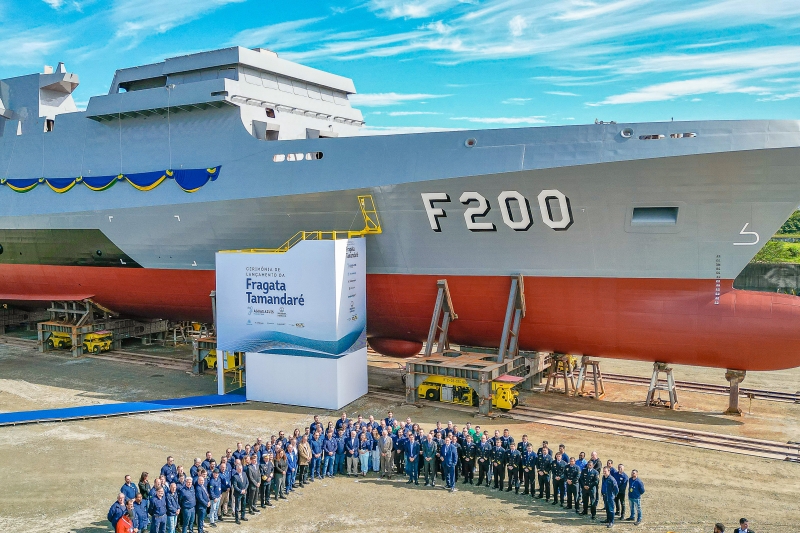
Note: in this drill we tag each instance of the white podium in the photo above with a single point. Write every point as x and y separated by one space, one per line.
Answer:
300 318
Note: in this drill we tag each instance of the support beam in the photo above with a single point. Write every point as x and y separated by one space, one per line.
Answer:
667 385
442 311
734 377
515 312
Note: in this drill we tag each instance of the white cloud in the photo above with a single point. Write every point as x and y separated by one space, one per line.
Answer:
411 9
676 89
780 97
386 99
515 101
280 35
517 25
138 18
503 120
411 113
55 4
771 56
27 48
562 93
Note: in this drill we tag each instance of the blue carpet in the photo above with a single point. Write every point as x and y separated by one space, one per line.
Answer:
118 409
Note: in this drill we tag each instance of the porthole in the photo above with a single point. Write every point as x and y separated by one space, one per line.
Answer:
1 248
471 142
627 133
99 253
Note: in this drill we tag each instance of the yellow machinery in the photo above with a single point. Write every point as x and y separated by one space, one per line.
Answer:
99 341
59 339
211 359
456 390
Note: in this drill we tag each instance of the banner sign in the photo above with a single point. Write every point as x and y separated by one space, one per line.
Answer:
309 301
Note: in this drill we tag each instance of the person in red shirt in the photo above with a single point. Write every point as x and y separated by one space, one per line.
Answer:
125 524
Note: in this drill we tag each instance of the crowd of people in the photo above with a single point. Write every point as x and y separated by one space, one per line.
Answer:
251 477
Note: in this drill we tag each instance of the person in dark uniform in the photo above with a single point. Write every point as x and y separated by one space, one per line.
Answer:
483 454
528 459
203 499
499 456
744 527
507 440
266 470
239 485
572 476
430 449
117 510
544 467
719 528
513 466
253 483
439 444
469 451
142 518
412 459
589 481
559 484
399 449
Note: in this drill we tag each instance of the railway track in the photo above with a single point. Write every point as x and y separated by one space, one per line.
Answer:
628 428
118 356
691 386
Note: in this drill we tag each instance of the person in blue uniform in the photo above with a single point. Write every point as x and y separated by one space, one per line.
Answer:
364 451
116 511
316 456
499 464
412 453
338 462
329 447
389 420
141 517
507 440
609 491
635 491
173 507
528 459
621 478
572 476
169 471
449 455
215 493
129 489
157 509
513 467
188 502
342 423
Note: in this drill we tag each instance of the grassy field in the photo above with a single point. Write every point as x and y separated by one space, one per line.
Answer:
778 252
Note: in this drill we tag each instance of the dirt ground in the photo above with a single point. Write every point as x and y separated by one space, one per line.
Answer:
63 477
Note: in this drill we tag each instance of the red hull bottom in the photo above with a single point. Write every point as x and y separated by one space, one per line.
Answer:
666 320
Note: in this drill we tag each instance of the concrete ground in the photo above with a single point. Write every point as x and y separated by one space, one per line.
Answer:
63 477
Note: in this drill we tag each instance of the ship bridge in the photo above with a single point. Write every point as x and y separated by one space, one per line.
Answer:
278 99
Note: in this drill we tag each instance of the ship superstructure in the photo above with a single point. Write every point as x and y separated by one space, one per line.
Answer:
629 235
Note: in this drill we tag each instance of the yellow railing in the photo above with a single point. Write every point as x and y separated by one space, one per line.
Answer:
372 226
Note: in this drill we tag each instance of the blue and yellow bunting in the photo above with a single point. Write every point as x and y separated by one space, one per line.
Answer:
189 180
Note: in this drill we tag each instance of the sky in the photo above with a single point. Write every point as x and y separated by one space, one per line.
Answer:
465 64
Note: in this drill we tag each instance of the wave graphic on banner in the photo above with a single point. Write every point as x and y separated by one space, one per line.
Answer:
286 344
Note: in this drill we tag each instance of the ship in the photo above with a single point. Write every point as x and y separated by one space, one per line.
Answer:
628 236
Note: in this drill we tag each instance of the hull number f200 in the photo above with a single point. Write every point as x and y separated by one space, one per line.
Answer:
521 220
